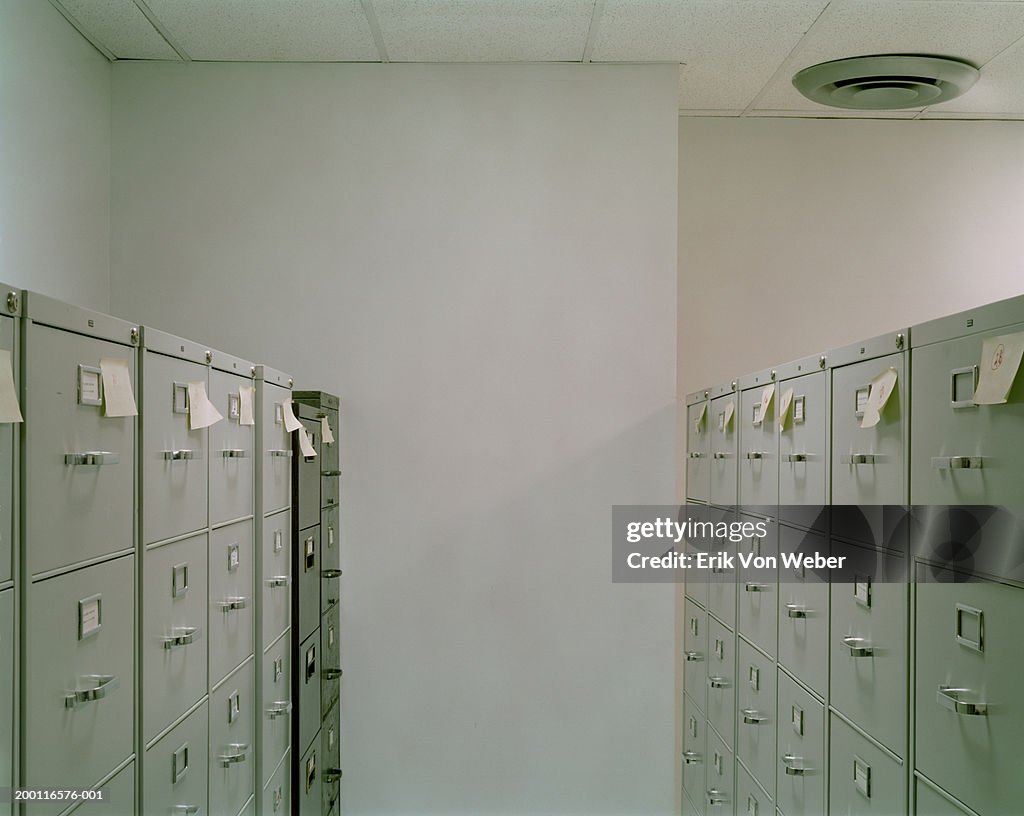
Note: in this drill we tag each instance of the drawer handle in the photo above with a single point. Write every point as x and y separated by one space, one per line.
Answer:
950 698
278 581
330 472
92 458
756 454
279 709
797 611
696 455
797 457
238 752
235 453
332 674
859 459
691 758
717 797
179 456
718 682
859 647
720 455
693 657
958 462
234 604
186 810
330 573
182 637
795 765
287 454
753 586
104 684
332 775
752 716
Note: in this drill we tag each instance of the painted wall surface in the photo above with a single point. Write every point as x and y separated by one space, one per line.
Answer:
54 157
481 262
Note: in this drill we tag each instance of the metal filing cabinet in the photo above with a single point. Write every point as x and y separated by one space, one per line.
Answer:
232 766
719 776
118 797
277 793
330 752
933 802
306 685
755 742
721 580
231 442
721 707
276 570
276 706
309 796
759 444
699 428
758 592
231 607
330 651
695 653
306 568
7 677
804 611
959 447
276 445
725 421
802 419
864 779
800 767
330 559
175 773
9 331
694 746
751 798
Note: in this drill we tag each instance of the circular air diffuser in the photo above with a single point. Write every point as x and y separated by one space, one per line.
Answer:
885 81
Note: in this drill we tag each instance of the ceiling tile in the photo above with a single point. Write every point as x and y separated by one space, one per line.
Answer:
120 28
974 31
999 89
268 30
730 47
484 30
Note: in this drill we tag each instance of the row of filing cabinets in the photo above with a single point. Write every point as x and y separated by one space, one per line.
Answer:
891 694
316 606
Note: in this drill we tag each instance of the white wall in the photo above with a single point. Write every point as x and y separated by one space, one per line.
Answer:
481 261
54 156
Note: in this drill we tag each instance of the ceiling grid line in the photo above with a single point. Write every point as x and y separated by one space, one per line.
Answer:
147 12
378 36
77 25
595 22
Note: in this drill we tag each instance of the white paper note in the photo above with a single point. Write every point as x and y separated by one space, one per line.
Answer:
1000 359
787 400
10 411
699 419
201 412
766 400
325 431
881 389
304 444
246 394
118 399
730 409
290 422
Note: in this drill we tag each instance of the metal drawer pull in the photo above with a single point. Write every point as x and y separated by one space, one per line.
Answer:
186 810
691 758
179 455
792 766
958 462
332 674
717 797
859 459
720 455
92 458
234 604
104 684
332 775
278 452
279 709
238 754
278 581
234 453
755 454
859 647
330 472
718 682
696 455
796 611
752 716
950 698
693 657
330 573
182 637
797 457
753 586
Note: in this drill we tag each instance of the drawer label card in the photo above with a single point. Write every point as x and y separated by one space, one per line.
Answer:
799 409
10 411
997 369
234 407
234 559
862 777
246 397
880 390
278 541
201 412
862 591
179 398
90 388
118 399
90 616
797 718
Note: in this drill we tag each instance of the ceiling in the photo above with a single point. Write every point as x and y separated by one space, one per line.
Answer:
735 57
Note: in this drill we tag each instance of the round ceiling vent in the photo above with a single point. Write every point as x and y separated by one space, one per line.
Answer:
885 81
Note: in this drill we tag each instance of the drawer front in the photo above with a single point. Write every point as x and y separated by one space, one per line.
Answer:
968 638
277 706
79 711
309 478
869 682
758 592
232 766
277 450
277 576
118 800
863 779
277 793
755 688
231 598
174 632
869 465
307 678
759 453
803 612
800 767
695 653
75 510
803 447
6 693
7 475
697 587
174 458
175 769
698 449
694 749
331 451
310 794
330 751
932 803
946 424
330 560
330 490
721 678
231 451
751 799
719 778
721 581
307 584
330 649
723 445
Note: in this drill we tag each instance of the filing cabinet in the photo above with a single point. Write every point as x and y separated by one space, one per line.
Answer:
698 454
724 440
694 746
276 571
804 611
864 779
175 773
721 580
802 420
759 444
232 765
309 796
9 342
719 775
276 709
695 653
755 741
231 442
277 793
751 798
330 651
7 711
118 799
174 625
330 751
306 566
933 802
758 592
231 592
721 707
330 559
306 679
800 766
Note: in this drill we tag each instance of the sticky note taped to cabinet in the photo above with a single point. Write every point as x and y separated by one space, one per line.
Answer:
290 422
730 409
10 411
766 399
699 420
245 399
1000 359
118 399
201 412
304 443
325 431
881 389
787 401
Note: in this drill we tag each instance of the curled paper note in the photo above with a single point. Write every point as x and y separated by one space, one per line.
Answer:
118 399
10 411
201 412
326 434
730 409
997 369
290 422
305 445
246 395
787 401
766 399
881 389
